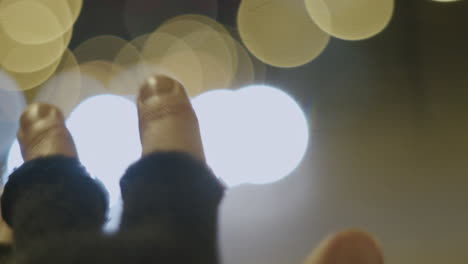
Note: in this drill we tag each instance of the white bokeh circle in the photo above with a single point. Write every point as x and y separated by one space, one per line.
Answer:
105 129
256 135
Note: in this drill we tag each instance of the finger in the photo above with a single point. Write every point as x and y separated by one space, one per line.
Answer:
43 133
6 234
347 247
167 119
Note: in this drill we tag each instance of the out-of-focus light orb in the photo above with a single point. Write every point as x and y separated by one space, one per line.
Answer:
351 20
175 58
63 88
7 82
75 8
38 21
103 47
30 22
12 104
26 58
280 32
245 70
257 135
105 130
218 126
14 160
27 81
211 43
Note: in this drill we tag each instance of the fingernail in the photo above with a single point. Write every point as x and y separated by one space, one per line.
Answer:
46 111
157 86
32 113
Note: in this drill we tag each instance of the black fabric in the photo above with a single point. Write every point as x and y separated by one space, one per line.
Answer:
5 253
170 211
49 196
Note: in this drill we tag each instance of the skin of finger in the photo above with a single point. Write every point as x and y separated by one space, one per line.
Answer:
347 247
175 129
55 138
6 234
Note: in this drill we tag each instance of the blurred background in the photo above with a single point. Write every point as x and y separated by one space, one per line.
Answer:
382 85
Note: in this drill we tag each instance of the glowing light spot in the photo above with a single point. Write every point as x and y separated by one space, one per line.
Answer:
351 20
175 58
256 135
63 88
7 82
104 47
30 22
105 57
280 33
139 42
38 21
245 72
101 70
130 72
211 43
75 8
217 118
26 58
128 81
105 129
12 104
276 128
26 81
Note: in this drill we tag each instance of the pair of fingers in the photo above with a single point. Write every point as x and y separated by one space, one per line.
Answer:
167 122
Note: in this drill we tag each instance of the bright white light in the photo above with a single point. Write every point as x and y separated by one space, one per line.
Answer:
12 104
14 159
105 130
256 135
216 112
